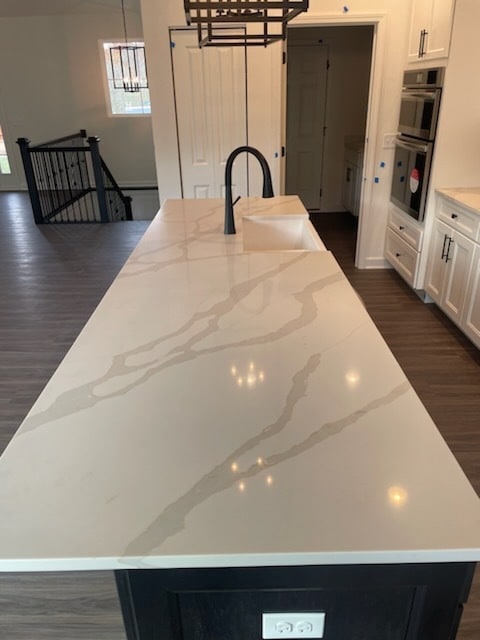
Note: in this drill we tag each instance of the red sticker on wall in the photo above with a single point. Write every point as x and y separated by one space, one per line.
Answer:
414 180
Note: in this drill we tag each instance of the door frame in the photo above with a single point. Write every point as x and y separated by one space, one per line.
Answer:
377 21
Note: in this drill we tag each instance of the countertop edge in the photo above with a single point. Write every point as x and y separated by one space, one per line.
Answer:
461 196
243 560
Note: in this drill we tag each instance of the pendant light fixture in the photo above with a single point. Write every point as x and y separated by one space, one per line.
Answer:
271 15
129 66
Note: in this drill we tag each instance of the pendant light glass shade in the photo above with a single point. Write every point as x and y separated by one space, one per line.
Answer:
271 16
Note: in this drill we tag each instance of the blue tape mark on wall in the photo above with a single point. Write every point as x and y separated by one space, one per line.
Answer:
382 164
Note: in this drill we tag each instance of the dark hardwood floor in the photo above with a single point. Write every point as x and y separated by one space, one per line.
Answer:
51 279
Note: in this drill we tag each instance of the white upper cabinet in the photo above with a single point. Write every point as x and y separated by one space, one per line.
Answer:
431 29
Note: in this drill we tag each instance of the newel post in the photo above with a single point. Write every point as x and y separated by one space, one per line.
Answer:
98 177
24 144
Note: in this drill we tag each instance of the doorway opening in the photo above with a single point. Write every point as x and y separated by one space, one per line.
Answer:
328 87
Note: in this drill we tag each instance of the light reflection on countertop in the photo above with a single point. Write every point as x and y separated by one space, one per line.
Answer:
397 496
352 378
247 377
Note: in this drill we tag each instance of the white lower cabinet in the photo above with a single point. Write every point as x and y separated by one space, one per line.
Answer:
471 318
437 266
401 256
403 244
453 275
459 264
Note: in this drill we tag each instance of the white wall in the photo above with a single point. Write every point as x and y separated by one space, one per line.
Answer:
34 104
457 151
157 17
51 85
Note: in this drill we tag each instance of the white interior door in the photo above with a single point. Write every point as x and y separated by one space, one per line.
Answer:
306 103
210 97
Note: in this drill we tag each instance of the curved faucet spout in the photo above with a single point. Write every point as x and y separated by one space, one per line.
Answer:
267 183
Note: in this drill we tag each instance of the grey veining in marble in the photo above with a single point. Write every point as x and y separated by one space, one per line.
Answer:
173 517
89 394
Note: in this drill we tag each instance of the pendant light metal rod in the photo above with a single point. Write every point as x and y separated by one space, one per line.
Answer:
124 22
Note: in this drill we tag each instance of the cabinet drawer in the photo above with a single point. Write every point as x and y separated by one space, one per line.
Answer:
401 256
459 218
406 229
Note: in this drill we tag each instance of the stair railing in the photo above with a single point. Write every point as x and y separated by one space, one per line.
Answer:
113 204
68 181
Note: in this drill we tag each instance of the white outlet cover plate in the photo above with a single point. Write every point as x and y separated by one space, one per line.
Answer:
389 140
293 625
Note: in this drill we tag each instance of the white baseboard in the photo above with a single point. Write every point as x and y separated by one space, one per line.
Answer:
15 187
377 263
138 184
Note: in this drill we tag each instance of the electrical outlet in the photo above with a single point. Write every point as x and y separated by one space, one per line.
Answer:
293 625
389 140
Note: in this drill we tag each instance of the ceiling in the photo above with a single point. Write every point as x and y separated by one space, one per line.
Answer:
25 8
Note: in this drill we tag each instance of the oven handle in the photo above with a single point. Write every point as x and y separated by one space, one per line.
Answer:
411 146
408 94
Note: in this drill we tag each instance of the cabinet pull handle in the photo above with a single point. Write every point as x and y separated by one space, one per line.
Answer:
423 36
398 255
454 215
400 228
444 254
349 174
450 242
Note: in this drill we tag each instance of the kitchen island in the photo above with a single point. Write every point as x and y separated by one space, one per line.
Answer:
232 436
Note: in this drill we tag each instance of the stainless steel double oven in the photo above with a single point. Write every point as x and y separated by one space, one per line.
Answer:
420 104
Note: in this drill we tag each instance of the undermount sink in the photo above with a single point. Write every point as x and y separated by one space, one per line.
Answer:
280 233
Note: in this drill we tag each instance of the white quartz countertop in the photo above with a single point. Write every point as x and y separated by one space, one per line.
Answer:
223 408
468 197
